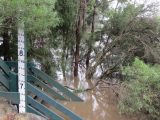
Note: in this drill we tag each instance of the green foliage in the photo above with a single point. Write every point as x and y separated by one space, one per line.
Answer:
38 15
66 10
123 16
63 34
141 92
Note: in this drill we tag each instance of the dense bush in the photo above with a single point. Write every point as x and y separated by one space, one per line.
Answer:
140 93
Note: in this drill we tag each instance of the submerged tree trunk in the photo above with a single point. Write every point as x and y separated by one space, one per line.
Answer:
80 24
90 43
6 34
6 45
63 61
77 54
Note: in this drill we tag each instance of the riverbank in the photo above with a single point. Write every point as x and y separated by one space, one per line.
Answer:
9 112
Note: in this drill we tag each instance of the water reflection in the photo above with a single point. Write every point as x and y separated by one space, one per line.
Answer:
99 104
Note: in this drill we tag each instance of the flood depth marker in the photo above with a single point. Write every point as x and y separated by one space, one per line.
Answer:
22 69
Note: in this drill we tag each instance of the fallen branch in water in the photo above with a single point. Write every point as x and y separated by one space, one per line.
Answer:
78 89
116 93
109 85
70 88
96 84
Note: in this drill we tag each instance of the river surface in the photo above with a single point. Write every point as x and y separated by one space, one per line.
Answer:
99 103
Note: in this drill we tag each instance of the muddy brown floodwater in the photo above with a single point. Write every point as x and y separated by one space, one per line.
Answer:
99 104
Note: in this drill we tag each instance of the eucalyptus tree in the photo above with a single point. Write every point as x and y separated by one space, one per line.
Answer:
121 28
38 16
64 33
129 29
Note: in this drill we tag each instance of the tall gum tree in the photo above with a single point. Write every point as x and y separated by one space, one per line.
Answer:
79 27
37 15
129 31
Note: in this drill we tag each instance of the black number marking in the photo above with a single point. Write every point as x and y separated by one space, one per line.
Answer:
21 84
21 52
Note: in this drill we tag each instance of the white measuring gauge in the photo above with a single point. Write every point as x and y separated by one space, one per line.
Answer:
21 70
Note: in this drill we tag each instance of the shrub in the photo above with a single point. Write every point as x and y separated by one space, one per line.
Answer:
140 92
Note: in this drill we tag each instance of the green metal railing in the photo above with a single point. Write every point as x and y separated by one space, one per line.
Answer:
9 81
41 86
51 102
47 79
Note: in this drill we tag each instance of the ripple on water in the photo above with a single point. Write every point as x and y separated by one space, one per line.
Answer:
99 104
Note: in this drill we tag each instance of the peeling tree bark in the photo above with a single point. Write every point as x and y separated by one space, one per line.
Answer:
92 32
79 26
6 45
100 57
7 31
63 61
